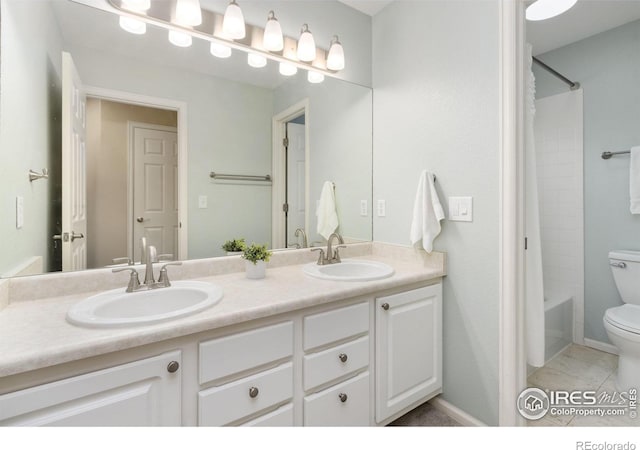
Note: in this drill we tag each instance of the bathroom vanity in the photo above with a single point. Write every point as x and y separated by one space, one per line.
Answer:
289 350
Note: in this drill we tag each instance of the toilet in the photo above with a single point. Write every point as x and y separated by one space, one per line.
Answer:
623 322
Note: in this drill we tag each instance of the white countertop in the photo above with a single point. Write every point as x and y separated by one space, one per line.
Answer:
35 334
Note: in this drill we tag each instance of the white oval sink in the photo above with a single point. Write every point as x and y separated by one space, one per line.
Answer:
117 308
350 270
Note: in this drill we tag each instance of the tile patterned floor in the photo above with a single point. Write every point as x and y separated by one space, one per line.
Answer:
424 415
579 368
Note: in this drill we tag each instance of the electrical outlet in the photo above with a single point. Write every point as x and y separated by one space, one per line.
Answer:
202 202
364 210
382 208
19 212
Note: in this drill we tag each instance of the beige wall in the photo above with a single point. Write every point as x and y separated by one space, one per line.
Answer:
107 173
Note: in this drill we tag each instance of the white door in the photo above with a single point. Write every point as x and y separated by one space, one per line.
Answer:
155 188
408 349
74 190
295 181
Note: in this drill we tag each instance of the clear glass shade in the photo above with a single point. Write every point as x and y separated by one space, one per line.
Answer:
287 69
219 50
272 39
233 22
132 25
255 60
335 59
179 38
188 12
306 45
315 77
546 9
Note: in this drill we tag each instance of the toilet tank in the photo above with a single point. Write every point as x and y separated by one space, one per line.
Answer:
625 265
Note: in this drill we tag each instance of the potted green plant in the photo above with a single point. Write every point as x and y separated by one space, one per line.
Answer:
256 258
234 246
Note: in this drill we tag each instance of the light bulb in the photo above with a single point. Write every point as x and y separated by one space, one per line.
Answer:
335 59
188 12
545 9
306 45
179 39
233 22
132 25
255 60
220 50
287 69
272 39
315 77
136 5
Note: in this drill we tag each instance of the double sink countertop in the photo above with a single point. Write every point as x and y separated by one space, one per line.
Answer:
34 333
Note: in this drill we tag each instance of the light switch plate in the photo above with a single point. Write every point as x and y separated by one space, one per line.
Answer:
364 209
382 208
461 209
202 202
19 212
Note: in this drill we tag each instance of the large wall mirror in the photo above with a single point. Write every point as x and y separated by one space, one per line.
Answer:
132 150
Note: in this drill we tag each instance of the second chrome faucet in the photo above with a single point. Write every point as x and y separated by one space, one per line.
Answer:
332 256
148 257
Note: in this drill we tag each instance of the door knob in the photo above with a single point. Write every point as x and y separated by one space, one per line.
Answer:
140 219
75 236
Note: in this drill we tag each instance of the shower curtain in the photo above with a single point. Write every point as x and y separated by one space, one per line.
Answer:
534 289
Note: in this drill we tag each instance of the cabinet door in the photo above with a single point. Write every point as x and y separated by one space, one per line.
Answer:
141 393
408 349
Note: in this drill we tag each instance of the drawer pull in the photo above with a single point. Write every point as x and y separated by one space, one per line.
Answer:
343 397
173 367
385 306
253 392
343 357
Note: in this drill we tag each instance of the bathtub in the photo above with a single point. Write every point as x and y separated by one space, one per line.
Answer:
558 323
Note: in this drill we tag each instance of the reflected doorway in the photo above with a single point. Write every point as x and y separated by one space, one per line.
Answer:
295 155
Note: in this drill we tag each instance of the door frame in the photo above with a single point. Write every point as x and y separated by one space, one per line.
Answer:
279 161
181 110
131 125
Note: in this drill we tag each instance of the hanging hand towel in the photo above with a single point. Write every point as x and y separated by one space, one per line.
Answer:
427 212
634 180
326 212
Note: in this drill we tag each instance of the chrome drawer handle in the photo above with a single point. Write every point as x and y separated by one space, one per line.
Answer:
343 397
173 367
253 392
343 357
619 265
385 306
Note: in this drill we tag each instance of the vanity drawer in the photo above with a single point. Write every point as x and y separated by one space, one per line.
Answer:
242 351
233 401
281 417
331 326
326 408
327 365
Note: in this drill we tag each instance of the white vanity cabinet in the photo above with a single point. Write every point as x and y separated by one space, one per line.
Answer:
141 393
408 349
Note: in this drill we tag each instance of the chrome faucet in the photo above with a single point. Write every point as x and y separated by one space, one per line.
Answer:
299 232
148 257
332 256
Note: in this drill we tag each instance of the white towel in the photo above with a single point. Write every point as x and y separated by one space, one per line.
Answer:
634 180
326 212
427 212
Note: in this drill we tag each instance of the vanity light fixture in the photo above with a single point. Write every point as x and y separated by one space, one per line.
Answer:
272 39
335 59
130 24
255 60
233 22
287 69
306 45
546 9
219 50
188 12
315 77
180 39
136 5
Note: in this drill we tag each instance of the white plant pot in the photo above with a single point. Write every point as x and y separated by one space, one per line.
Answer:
234 253
256 271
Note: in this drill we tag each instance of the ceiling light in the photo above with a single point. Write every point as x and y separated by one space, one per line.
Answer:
272 39
188 12
545 9
132 25
179 39
255 60
136 5
315 77
233 22
287 69
220 50
306 45
335 59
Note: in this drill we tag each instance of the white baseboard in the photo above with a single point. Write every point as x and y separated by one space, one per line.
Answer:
602 346
460 416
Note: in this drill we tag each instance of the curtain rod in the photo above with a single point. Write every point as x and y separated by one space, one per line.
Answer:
573 85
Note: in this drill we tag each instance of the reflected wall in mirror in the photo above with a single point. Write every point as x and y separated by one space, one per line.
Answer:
223 115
